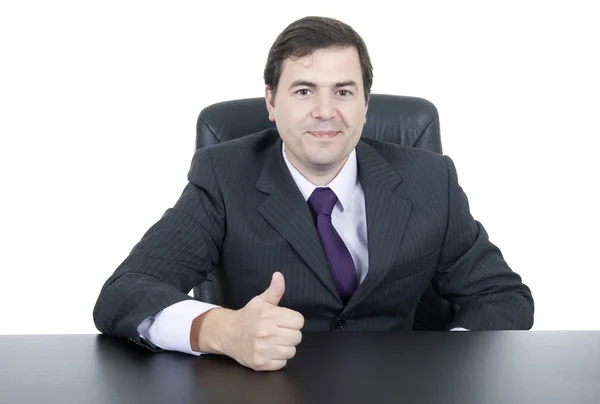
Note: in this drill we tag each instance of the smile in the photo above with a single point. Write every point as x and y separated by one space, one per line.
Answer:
324 134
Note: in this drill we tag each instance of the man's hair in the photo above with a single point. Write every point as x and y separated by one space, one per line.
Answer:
309 34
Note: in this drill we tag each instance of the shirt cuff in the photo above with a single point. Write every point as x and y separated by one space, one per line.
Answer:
169 329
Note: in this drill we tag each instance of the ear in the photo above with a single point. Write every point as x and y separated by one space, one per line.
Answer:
367 108
270 101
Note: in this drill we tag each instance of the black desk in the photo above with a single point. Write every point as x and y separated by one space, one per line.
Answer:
452 367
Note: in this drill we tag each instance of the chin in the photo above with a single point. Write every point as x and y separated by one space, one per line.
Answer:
325 159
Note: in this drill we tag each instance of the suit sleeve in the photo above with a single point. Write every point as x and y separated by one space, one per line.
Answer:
474 275
173 256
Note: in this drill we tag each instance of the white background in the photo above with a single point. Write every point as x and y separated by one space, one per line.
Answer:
99 100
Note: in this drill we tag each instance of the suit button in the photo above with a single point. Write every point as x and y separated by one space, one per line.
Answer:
339 323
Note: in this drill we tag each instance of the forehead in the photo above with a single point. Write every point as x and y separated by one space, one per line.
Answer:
324 66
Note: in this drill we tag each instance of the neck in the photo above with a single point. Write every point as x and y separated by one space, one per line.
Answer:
318 177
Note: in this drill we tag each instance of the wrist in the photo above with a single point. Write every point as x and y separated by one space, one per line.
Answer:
208 330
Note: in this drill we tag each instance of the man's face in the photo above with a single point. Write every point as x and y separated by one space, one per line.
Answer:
319 108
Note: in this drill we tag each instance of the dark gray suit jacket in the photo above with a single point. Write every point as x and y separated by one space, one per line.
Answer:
242 216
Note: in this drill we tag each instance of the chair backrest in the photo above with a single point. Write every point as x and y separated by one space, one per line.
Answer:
409 121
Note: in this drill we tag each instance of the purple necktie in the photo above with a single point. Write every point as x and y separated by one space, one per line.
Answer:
340 261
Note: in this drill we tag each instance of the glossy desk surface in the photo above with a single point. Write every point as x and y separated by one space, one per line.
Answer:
415 367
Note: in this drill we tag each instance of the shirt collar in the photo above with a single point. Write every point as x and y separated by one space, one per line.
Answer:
343 185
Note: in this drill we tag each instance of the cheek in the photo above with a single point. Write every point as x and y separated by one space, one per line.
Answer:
355 115
361 114
291 117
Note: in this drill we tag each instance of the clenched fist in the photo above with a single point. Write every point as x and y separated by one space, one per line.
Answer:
261 335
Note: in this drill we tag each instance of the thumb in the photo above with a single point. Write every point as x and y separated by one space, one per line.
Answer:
275 291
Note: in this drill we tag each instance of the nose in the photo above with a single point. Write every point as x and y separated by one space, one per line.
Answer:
324 107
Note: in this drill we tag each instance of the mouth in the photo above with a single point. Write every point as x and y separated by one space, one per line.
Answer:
324 134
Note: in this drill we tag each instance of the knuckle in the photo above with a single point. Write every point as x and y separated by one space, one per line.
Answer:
262 332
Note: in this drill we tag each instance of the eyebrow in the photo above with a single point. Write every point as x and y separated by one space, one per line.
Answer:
310 84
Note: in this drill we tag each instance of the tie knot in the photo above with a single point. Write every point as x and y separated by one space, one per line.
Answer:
322 201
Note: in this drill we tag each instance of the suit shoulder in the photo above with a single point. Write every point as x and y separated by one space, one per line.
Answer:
237 155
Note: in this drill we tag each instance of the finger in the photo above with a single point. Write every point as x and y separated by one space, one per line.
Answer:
274 364
276 289
287 318
284 352
287 337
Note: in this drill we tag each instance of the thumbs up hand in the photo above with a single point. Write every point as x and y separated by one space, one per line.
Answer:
262 335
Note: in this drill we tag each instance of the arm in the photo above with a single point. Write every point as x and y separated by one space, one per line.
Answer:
173 256
474 275
147 294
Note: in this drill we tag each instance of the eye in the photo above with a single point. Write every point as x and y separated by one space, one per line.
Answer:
344 93
303 92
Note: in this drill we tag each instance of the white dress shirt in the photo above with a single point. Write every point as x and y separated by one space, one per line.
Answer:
170 328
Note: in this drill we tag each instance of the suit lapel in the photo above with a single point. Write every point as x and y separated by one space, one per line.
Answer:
387 214
286 210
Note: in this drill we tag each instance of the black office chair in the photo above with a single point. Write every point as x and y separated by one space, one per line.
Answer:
404 120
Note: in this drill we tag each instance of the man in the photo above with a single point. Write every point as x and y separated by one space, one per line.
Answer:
309 228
